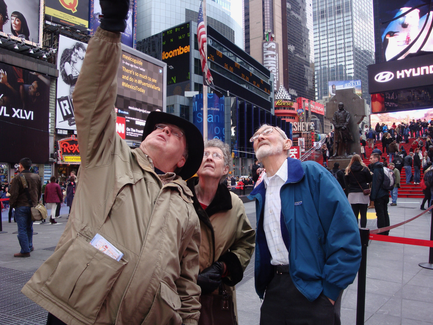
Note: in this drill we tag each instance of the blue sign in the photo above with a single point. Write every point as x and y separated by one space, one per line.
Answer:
300 111
215 115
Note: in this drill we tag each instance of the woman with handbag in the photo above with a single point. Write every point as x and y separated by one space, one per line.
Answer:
358 178
227 239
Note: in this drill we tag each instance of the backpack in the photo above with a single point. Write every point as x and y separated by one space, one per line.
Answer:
388 179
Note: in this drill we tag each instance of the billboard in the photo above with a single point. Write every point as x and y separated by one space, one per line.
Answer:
333 86
215 115
405 28
74 13
24 114
128 37
176 53
22 19
401 117
140 88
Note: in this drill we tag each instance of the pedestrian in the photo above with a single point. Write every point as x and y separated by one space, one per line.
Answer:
133 201
425 191
71 186
357 177
363 144
303 263
339 175
370 138
417 166
325 154
394 192
256 170
379 195
393 150
26 191
53 196
407 164
425 162
227 238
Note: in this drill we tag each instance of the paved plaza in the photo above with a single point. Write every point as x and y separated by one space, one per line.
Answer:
398 290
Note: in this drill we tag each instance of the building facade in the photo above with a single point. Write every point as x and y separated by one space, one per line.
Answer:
278 34
343 43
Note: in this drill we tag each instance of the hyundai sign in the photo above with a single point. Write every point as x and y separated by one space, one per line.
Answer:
394 75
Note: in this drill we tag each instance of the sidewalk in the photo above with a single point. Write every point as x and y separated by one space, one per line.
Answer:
398 290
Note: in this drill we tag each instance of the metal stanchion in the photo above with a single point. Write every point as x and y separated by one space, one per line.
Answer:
429 265
362 275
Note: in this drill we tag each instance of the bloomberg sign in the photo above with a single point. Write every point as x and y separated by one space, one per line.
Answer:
394 75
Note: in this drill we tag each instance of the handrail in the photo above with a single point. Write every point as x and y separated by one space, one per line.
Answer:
309 152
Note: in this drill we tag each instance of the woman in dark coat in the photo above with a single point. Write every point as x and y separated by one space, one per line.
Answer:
358 178
70 191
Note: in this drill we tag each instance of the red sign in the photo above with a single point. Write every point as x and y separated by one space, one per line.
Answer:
295 152
69 151
306 104
121 126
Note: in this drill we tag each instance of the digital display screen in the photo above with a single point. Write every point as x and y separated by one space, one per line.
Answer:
176 53
234 67
69 13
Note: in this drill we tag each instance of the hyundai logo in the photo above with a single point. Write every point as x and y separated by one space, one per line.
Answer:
384 76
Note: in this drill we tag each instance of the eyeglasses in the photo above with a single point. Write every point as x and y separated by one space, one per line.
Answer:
265 132
173 130
215 155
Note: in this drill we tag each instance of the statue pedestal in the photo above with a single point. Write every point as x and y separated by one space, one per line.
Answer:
343 161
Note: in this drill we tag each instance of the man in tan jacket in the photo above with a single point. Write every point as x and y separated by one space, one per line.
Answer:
137 200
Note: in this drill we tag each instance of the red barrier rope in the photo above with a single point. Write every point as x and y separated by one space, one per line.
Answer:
402 240
376 231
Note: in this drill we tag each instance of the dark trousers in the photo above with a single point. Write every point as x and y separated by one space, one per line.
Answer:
285 305
427 197
361 208
381 207
53 320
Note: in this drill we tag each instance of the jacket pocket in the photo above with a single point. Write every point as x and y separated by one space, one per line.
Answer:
83 278
165 306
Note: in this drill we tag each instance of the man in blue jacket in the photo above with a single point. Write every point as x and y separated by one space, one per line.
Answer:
308 247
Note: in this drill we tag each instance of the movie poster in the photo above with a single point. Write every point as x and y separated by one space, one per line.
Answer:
70 58
20 19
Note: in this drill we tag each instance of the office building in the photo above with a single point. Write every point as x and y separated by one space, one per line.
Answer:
343 43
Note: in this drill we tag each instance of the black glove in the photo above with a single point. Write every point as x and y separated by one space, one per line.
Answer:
210 278
114 14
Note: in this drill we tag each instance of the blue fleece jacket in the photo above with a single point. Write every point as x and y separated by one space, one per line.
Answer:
323 237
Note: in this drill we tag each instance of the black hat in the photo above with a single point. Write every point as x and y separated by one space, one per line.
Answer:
194 139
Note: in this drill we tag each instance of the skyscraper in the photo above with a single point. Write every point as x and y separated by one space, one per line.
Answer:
343 43
277 34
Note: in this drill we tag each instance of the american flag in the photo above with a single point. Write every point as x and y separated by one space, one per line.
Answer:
202 39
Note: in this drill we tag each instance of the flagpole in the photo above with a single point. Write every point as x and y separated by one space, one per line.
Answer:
205 131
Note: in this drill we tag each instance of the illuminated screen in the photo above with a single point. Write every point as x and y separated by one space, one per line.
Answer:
333 86
401 117
69 13
140 85
24 114
139 92
176 53
405 28
27 12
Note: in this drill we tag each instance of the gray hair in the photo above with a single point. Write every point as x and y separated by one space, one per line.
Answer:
280 131
225 148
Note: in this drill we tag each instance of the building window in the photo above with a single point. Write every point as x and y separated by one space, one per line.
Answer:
170 109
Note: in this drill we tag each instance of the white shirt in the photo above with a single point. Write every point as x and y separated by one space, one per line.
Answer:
272 216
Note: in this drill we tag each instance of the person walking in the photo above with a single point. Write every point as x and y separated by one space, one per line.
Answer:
303 262
426 191
227 238
71 186
393 150
53 196
394 192
135 201
26 191
325 154
358 178
379 195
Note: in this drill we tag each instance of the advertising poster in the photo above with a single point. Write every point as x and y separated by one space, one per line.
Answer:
215 115
333 86
140 88
70 58
401 117
74 13
22 19
128 37
24 114
405 28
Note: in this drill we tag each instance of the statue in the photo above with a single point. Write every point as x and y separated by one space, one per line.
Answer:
342 135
